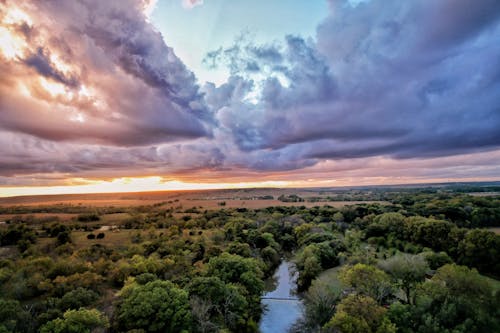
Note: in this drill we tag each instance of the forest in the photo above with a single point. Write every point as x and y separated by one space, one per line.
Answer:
422 260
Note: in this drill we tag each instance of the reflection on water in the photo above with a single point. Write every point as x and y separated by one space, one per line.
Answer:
283 308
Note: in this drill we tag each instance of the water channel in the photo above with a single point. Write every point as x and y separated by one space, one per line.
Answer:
283 307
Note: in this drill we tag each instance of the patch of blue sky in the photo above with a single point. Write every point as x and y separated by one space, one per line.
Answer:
194 32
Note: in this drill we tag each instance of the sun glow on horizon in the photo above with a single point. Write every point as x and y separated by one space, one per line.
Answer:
158 183
131 184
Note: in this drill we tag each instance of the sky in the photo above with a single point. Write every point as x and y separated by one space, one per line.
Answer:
105 96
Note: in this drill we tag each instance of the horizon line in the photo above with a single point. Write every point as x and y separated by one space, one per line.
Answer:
411 184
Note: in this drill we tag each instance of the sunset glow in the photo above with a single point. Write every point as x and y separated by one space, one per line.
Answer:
121 185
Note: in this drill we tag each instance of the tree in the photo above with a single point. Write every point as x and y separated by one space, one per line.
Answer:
481 249
13 318
436 260
429 232
407 270
241 249
461 281
201 315
456 299
386 223
157 306
271 258
320 302
245 274
16 233
309 266
77 298
360 314
367 280
312 267
76 321
224 302
232 268
63 237
316 257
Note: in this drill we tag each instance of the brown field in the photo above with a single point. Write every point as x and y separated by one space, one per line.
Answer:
61 216
495 230
207 199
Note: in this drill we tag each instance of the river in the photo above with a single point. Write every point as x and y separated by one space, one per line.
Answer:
283 307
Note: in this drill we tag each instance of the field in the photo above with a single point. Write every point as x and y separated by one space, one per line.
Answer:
208 199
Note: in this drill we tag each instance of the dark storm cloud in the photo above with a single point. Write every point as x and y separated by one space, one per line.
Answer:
449 23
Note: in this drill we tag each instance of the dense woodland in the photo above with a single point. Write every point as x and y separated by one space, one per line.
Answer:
424 261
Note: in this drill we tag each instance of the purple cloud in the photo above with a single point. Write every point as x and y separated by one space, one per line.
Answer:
384 78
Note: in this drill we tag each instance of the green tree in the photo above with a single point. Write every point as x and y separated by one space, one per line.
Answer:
367 280
320 302
457 299
431 233
407 270
386 223
271 258
314 258
437 259
157 306
77 298
360 314
223 303
232 268
309 266
13 318
481 249
76 321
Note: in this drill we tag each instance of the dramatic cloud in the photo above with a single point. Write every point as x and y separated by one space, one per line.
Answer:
395 78
95 72
387 88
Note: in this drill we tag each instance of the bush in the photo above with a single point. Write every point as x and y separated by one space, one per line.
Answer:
77 298
63 237
88 217
82 320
